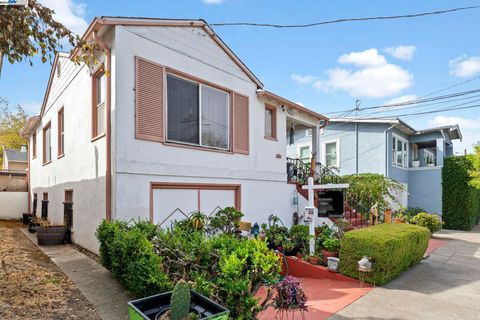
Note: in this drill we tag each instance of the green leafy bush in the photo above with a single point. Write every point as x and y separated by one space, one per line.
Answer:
368 189
331 244
226 220
393 248
226 268
127 252
299 236
430 221
460 196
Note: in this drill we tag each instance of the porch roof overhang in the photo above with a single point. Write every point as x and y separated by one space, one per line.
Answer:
290 104
398 123
453 131
30 126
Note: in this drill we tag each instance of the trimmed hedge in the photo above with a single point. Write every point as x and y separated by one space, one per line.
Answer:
460 200
393 248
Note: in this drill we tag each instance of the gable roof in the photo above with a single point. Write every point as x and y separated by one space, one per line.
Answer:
50 78
99 22
452 130
15 155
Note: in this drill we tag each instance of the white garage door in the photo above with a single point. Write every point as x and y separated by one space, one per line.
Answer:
178 203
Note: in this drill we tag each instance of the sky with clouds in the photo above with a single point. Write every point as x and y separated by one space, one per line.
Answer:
325 68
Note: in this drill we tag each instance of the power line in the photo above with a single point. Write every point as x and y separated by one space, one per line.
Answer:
307 25
431 111
413 102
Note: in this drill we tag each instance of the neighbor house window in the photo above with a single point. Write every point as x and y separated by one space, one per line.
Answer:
428 158
197 114
34 145
305 154
400 154
331 153
270 122
61 129
47 143
99 98
308 133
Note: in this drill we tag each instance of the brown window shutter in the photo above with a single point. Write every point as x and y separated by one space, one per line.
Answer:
240 124
150 101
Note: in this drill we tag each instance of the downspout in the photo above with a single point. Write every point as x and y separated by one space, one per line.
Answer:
108 174
386 149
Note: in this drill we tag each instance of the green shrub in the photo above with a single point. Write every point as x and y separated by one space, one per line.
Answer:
331 244
430 221
299 236
393 248
127 252
460 198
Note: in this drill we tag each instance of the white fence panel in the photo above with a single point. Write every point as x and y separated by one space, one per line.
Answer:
13 204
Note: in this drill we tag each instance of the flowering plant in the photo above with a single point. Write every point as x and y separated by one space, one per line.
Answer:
290 296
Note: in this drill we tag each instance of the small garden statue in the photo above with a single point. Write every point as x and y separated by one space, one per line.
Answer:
255 231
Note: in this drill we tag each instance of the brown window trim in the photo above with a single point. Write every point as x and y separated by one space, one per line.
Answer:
34 144
274 122
60 148
195 147
196 186
44 153
95 75
65 196
45 196
98 137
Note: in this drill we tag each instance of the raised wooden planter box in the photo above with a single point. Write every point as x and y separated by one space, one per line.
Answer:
51 235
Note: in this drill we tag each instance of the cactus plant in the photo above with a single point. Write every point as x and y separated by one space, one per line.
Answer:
180 301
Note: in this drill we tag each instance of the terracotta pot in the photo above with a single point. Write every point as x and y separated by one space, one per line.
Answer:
327 254
299 256
399 220
314 260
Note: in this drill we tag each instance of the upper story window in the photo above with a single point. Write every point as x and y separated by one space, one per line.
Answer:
400 152
61 131
34 145
197 114
47 143
331 153
99 97
270 122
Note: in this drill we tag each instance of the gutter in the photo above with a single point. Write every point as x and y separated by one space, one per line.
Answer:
108 138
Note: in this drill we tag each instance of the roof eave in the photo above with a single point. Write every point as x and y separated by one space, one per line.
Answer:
293 105
29 126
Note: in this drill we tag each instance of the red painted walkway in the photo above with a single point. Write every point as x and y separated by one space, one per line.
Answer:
327 292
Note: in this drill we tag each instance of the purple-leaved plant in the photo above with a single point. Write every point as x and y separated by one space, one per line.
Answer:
290 296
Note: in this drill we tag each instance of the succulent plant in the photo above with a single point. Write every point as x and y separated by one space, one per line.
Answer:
180 301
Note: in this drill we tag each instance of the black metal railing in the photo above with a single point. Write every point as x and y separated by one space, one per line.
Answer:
5 172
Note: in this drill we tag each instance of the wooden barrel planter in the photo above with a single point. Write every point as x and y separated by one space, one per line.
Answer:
51 235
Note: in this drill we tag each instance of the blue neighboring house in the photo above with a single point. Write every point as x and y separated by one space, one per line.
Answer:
386 146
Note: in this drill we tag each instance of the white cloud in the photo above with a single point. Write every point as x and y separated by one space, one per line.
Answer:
213 1
303 79
69 13
401 99
401 52
372 82
470 128
366 58
465 66
31 107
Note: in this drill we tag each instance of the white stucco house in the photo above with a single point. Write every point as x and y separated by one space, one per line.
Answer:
169 121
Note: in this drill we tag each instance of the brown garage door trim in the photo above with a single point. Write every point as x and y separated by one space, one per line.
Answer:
196 186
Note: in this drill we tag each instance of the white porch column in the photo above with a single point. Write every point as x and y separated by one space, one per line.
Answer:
316 143
440 152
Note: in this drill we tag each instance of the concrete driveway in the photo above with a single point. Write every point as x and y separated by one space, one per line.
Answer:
444 286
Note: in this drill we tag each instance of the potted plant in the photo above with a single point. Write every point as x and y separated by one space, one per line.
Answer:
290 297
180 304
331 247
48 234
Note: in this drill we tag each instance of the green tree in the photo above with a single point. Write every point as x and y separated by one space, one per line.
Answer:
31 30
11 123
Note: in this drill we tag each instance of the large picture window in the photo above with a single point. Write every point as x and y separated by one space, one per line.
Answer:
400 153
197 114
